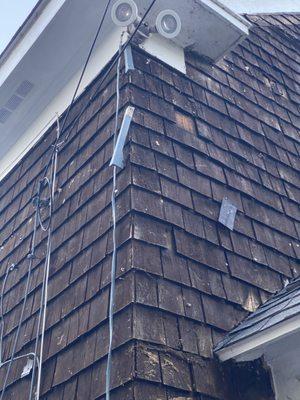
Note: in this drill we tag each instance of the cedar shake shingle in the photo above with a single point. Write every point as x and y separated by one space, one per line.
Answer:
183 280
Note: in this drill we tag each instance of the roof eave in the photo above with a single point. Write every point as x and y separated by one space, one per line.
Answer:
24 28
253 347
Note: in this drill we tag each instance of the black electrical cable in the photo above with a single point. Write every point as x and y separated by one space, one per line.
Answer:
113 64
59 144
86 64
81 76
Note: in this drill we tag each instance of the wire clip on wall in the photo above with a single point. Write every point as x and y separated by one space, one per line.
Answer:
129 64
118 157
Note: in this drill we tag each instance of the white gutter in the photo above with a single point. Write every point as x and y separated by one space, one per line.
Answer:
243 348
263 6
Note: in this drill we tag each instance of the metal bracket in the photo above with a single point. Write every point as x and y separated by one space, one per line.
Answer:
227 214
129 64
117 158
27 368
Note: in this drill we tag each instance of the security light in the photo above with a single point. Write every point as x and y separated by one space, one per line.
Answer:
168 24
124 12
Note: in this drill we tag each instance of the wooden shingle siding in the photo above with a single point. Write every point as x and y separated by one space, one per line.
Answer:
184 280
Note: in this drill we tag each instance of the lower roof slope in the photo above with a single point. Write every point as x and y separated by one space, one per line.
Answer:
279 308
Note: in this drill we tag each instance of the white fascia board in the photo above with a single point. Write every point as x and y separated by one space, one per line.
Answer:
264 6
28 38
101 56
228 14
255 344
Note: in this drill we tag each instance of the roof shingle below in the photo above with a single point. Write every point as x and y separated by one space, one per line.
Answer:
279 308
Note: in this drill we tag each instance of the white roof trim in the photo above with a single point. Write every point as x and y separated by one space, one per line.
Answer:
101 56
27 36
263 6
255 343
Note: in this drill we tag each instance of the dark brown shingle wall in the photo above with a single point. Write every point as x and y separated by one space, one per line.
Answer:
184 280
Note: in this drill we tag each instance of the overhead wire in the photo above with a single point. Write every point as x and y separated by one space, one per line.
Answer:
38 204
28 146
31 257
114 253
113 201
51 185
44 296
57 144
9 269
106 74
38 221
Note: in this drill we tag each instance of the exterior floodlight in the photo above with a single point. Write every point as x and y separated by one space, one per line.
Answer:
124 12
168 24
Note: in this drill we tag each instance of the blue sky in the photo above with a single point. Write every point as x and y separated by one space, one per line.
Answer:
12 15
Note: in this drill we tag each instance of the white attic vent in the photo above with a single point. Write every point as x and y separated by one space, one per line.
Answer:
15 100
4 115
25 88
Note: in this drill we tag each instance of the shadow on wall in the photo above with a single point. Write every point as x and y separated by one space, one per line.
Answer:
250 380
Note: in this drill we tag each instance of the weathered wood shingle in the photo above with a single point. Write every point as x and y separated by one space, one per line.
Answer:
184 280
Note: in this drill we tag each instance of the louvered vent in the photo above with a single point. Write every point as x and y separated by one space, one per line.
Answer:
14 102
4 115
25 88
16 99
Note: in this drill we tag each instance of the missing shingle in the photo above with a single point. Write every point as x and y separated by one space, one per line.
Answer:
227 213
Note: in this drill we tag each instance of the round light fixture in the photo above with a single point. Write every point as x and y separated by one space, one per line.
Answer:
124 12
168 24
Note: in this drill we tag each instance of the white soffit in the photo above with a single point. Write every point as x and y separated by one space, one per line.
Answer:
263 6
48 53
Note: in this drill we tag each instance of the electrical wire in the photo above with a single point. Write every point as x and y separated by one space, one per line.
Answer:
20 357
44 295
113 207
80 81
8 271
43 183
31 258
110 68
53 161
28 146
46 275
38 203
86 63
114 254
38 220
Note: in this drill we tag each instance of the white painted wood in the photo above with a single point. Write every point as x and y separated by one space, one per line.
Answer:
253 347
29 37
283 359
263 6
59 103
166 51
50 49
